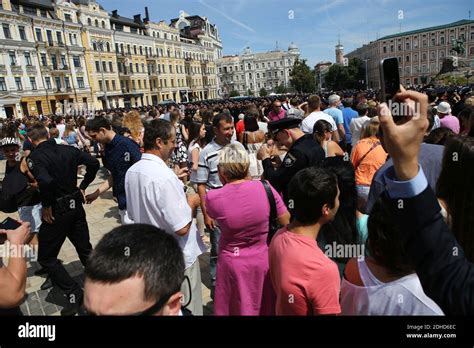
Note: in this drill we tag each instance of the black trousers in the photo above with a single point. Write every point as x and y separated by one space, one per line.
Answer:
73 225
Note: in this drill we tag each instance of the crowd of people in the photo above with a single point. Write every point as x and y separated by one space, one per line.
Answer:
312 205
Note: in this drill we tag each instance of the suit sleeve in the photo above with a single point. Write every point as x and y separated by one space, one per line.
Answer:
445 274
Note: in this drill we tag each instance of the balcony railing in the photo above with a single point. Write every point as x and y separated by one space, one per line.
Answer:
16 69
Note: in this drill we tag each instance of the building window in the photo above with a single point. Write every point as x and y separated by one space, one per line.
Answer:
63 61
89 21
407 46
114 86
12 58
107 46
441 40
44 61
103 24
80 82
104 66
6 31
59 37
3 85
97 66
407 59
77 61
43 13
19 86
33 83
111 67
39 36
28 59
67 83
48 82
67 17
423 57
101 87
96 22
22 33
107 85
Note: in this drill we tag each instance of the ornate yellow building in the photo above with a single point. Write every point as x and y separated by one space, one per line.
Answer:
62 56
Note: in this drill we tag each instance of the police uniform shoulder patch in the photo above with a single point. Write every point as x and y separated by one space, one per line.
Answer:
289 160
29 162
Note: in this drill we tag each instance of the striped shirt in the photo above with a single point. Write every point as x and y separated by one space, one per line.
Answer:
207 172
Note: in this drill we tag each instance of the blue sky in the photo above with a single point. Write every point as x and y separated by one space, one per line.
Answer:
314 25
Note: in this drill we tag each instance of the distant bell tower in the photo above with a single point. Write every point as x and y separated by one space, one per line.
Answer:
339 53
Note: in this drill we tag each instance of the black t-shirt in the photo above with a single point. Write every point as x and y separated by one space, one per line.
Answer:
18 184
27 145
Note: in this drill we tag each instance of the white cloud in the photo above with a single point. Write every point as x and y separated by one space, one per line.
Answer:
223 14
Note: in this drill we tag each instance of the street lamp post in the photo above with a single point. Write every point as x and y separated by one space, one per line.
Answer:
366 73
100 47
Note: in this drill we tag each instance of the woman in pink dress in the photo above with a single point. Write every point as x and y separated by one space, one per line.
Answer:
242 211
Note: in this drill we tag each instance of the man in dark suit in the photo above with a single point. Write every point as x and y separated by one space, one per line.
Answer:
445 274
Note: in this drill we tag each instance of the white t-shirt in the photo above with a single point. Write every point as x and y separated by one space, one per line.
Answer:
356 127
404 296
309 122
263 126
192 146
155 196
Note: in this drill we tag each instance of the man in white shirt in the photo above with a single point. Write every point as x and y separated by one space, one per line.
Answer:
155 196
314 108
357 124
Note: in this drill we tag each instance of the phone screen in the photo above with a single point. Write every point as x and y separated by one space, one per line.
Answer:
390 78
10 224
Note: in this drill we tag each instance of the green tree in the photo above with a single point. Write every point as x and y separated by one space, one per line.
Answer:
302 77
263 92
280 89
249 92
234 93
345 77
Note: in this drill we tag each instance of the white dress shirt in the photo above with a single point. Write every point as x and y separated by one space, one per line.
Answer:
155 196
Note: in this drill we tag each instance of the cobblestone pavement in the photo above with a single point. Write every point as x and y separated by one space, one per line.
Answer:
102 216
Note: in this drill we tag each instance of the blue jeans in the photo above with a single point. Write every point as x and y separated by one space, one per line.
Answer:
31 214
215 235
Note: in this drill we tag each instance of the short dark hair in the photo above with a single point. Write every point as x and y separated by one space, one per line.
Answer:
97 123
227 118
155 129
347 102
138 250
37 132
385 241
308 191
362 109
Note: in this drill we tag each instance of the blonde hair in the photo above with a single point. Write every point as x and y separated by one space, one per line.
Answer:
371 128
234 161
133 122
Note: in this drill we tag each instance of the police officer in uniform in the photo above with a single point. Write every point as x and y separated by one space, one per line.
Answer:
303 152
55 168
